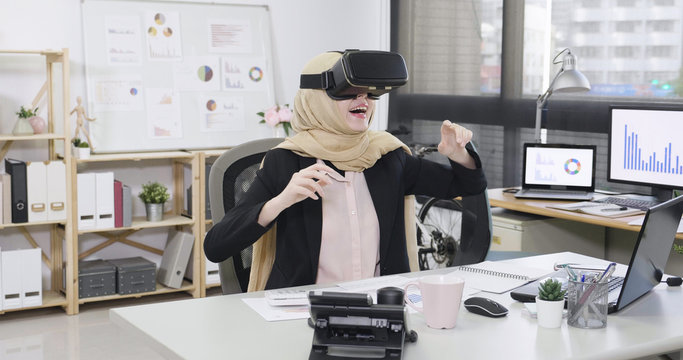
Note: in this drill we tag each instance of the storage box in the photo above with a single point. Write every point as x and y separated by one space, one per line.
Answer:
134 275
96 278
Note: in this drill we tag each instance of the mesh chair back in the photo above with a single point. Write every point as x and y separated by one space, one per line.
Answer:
231 176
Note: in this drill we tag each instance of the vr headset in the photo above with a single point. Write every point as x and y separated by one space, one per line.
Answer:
360 72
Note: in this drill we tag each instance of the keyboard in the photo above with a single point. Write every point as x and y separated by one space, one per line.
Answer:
554 194
632 203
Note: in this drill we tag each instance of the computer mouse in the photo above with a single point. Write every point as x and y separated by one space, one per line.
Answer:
484 306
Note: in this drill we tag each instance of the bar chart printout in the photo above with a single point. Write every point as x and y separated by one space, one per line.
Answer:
646 146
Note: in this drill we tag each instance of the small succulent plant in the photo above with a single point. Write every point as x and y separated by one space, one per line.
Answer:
551 290
79 143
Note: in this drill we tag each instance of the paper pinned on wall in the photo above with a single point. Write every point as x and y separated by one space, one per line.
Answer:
123 40
163 35
221 113
197 73
120 93
163 113
229 36
244 73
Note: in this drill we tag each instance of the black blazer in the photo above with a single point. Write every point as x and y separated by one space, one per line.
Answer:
299 227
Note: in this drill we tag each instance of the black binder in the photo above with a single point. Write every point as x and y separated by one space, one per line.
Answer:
17 169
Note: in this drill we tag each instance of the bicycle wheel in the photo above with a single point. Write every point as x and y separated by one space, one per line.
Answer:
438 233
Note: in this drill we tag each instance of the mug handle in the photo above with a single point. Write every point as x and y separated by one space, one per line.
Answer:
410 303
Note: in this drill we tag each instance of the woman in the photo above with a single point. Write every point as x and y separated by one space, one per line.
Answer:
336 192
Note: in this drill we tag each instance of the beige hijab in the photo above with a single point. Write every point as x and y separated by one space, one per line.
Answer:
322 133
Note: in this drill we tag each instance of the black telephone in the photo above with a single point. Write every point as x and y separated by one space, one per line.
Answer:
349 325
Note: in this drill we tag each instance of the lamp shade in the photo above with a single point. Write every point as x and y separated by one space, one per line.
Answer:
569 79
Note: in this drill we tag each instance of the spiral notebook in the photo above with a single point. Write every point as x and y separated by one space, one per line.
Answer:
497 277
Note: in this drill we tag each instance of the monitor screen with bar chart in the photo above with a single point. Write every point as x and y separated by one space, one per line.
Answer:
646 146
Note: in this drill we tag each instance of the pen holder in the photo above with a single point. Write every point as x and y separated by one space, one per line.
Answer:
587 304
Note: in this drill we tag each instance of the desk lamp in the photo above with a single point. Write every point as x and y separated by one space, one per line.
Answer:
568 79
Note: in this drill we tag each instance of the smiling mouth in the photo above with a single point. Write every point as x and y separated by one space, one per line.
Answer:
359 110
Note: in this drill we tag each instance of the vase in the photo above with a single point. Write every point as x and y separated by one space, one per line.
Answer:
37 124
278 132
155 212
81 153
549 313
22 127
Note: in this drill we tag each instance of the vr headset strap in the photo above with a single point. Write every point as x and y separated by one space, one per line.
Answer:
317 81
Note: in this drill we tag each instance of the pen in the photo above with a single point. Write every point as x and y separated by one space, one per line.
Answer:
620 208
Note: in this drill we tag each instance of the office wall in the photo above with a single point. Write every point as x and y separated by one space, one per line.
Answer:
300 30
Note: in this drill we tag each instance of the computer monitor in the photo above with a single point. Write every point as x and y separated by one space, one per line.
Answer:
646 148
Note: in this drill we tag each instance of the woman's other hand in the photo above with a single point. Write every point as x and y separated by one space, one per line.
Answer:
453 140
306 183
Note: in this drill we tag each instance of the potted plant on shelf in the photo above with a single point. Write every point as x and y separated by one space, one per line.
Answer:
81 149
29 122
550 303
154 195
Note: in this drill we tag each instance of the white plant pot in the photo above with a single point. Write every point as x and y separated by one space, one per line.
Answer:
81 153
549 313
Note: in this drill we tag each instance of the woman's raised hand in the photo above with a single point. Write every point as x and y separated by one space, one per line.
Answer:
453 140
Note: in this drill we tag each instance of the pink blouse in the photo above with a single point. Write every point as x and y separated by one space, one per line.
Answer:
349 247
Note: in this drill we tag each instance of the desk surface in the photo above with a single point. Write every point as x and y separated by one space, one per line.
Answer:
540 207
225 327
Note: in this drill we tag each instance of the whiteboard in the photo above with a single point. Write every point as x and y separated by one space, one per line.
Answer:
176 76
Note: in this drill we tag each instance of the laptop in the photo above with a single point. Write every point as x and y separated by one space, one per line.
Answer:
648 260
558 171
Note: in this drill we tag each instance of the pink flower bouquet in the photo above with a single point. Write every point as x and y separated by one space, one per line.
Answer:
277 115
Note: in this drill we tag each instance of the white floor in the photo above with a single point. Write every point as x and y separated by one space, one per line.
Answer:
51 334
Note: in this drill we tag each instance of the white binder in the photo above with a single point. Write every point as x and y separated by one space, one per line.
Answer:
36 191
176 256
104 211
86 200
56 191
31 277
11 279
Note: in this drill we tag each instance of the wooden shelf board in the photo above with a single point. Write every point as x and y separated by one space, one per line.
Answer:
209 286
50 299
36 52
141 223
137 156
8 137
35 223
161 289
211 152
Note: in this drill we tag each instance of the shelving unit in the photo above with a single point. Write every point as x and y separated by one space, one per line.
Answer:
178 160
56 90
64 235
204 223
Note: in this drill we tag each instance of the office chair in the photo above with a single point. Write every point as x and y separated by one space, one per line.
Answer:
476 231
230 177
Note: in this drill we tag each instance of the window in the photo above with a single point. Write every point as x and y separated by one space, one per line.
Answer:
451 47
588 27
626 3
664 2
588 51
458 71
659 51
660 25
626 26
625 51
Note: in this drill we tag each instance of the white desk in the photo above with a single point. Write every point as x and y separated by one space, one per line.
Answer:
225 327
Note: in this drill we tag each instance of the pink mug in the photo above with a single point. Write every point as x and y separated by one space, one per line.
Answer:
441 295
